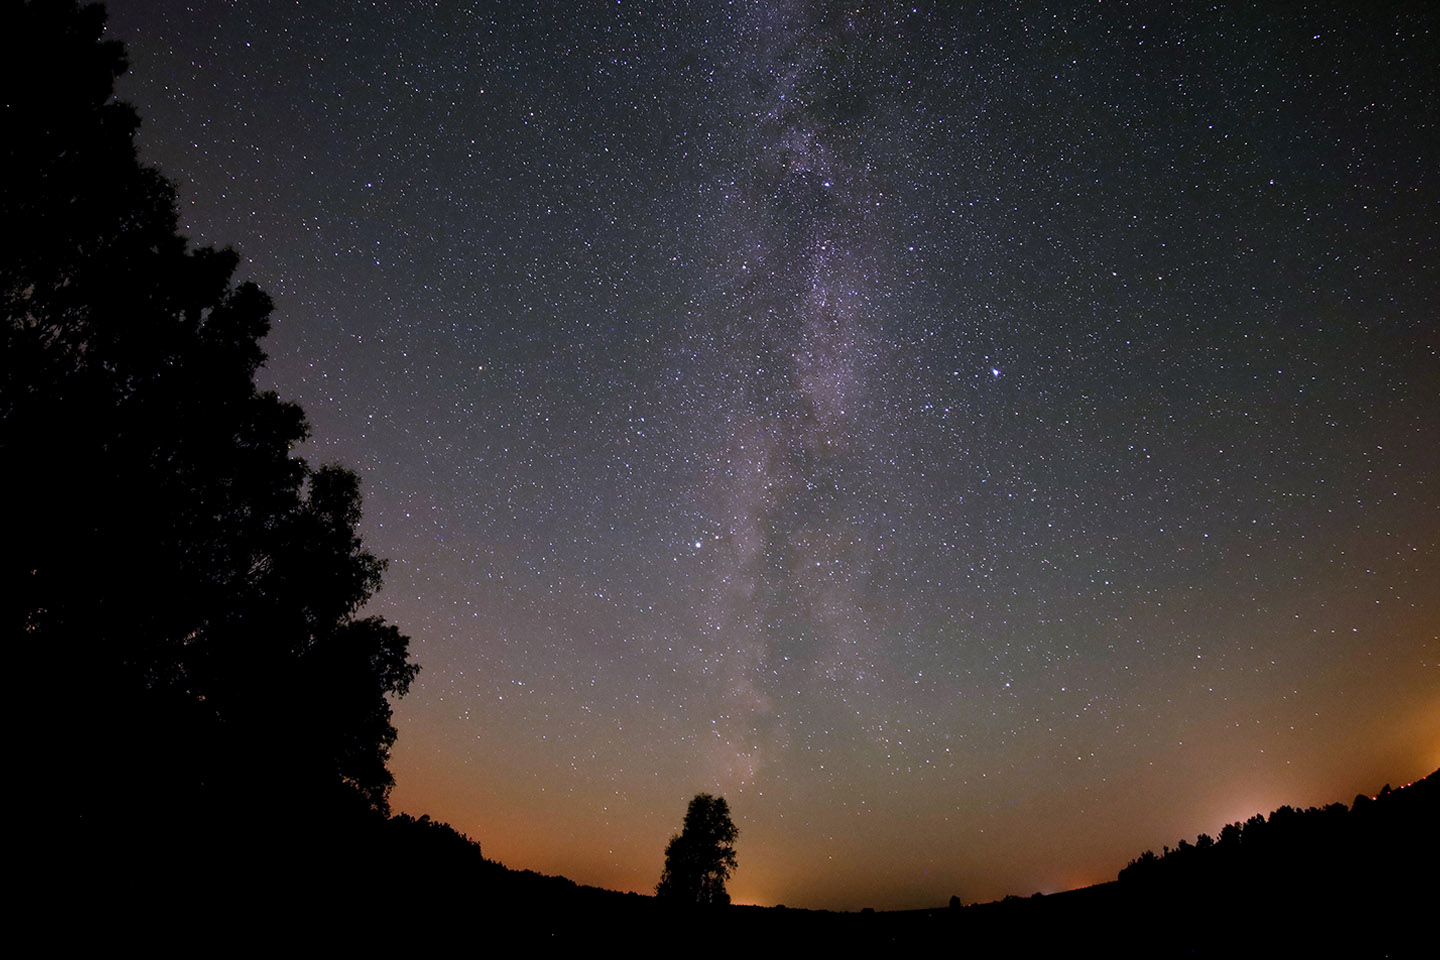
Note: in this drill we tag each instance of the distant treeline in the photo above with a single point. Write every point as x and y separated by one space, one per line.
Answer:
1293 848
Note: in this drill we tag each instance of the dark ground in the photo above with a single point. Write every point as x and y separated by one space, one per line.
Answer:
416 887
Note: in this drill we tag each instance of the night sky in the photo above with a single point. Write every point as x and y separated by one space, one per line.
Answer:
980 442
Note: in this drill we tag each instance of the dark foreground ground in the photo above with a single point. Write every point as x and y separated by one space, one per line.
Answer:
420 919
426 915
413 888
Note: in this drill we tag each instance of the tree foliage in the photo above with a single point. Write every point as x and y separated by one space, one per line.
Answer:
702 857
1297 844
185 590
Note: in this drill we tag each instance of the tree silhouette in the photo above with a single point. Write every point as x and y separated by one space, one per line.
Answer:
184 590
701 858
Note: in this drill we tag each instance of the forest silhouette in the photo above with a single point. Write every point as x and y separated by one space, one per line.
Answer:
193 587
211 723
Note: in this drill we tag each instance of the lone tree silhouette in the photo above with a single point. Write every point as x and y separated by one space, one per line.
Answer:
181 589
702 857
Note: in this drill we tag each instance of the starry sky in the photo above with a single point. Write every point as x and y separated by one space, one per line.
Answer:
979 441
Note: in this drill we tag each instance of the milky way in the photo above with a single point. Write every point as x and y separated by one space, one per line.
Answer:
980 443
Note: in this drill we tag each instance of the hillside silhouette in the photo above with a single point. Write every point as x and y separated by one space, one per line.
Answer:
1353 881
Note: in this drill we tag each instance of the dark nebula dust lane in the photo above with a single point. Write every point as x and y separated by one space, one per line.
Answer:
979 443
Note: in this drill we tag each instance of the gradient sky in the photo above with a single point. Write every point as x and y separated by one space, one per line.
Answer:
980 442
